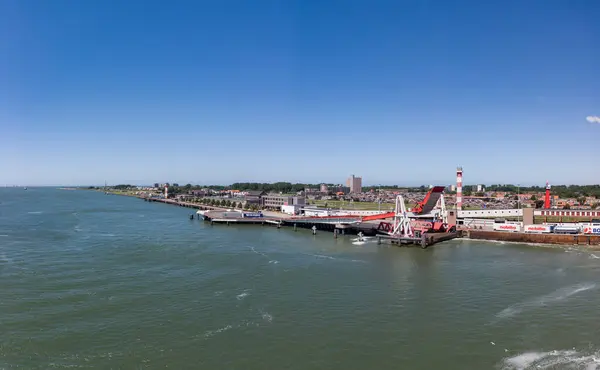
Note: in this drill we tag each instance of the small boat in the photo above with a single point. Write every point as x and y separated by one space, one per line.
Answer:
25 188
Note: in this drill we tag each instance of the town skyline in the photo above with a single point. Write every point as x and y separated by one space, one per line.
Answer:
316 183
471 186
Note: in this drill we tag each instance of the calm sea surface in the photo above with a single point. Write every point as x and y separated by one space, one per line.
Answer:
107 282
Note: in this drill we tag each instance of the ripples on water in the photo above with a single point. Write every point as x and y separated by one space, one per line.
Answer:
96 281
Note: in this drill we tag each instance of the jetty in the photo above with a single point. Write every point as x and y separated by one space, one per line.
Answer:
403 230
339 225
367 226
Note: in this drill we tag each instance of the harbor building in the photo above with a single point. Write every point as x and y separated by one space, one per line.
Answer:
276 201
255 197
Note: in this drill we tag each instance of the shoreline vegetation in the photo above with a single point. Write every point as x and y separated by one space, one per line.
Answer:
333 204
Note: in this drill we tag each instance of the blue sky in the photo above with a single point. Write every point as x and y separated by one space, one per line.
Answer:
400 92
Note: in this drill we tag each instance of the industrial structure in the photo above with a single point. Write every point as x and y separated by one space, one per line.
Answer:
428 216
424 225
504 219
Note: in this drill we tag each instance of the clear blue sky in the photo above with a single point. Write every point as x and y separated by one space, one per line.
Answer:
398 92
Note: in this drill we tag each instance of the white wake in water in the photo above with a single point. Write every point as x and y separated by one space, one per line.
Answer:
243 295
210 333
322 256
363 241
264 255
567 359
267 318
556 296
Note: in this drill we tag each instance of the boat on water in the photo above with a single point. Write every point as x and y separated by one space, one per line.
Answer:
25 188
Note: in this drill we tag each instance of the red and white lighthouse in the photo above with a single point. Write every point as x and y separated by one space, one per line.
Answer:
547 198
459 183
166 191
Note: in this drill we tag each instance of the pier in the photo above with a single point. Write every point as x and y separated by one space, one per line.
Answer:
339 225
353 225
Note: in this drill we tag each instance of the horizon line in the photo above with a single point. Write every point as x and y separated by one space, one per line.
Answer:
229 185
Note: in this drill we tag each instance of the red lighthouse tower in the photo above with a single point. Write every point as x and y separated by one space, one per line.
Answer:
547 198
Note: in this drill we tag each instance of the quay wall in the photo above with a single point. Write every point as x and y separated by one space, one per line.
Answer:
579 239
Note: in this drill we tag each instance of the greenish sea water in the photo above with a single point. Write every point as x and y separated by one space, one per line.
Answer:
89 280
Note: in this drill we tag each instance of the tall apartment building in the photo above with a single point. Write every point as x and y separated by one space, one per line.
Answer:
355 184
